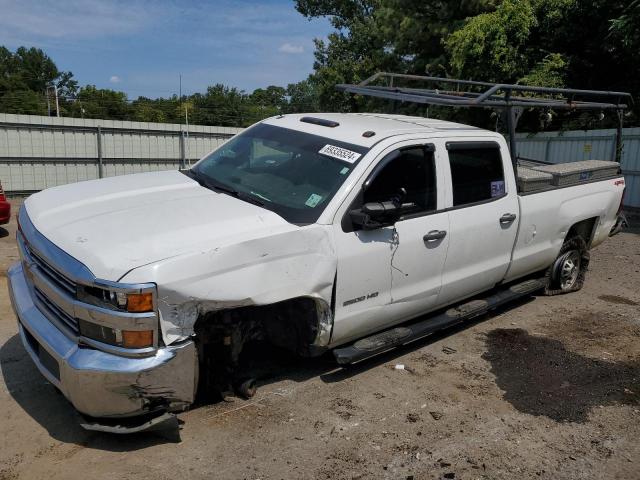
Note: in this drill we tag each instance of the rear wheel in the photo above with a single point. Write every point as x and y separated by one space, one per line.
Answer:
568 270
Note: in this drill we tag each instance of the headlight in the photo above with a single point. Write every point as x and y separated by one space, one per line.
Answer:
118 328
130 302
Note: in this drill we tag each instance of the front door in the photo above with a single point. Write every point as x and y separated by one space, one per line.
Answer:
392 273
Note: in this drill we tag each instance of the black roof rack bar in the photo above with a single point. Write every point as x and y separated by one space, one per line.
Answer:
471 99
454 94
494 87
494 95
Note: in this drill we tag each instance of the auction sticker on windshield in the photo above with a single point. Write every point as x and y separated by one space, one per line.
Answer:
339 153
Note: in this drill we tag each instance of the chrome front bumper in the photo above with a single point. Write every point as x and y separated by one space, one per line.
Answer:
97 383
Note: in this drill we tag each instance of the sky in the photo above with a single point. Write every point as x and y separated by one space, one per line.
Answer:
142 46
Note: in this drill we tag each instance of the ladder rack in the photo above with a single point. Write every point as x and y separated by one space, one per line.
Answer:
512 99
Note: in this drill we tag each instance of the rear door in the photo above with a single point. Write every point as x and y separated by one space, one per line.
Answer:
483 218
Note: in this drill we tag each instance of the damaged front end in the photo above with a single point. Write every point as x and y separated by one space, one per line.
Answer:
276 288
98 342
100 384
126 354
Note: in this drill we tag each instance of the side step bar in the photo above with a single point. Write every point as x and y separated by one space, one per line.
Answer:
398 336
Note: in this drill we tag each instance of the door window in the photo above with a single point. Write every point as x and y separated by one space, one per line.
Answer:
412 169
476 174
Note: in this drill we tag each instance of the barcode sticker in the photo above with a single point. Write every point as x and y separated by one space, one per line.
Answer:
340 153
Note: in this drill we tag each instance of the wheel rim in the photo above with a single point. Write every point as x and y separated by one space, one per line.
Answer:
569 270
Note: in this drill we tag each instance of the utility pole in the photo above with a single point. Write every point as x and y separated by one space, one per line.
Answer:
55 94
186 119
55 88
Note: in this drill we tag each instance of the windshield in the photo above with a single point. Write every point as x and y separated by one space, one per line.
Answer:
280 169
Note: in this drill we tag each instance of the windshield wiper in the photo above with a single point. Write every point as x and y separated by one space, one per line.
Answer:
247 197
211 184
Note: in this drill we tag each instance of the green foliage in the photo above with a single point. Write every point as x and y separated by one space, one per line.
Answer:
414 29
92 102
627 26
491 46
549 72
26 75
589 44
303 97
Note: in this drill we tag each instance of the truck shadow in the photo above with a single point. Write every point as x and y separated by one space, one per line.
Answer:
540 377
47 406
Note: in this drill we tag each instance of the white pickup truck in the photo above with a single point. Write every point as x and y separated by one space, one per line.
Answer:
314 233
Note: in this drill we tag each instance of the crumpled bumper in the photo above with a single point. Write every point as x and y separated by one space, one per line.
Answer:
100 384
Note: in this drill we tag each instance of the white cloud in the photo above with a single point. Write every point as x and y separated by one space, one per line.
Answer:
291 49
114 79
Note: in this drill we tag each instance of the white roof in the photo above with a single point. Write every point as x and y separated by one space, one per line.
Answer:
353 125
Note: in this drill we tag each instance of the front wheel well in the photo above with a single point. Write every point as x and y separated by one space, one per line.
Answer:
301 325
295 324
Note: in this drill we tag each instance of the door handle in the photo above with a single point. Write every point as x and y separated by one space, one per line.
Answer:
507 218
434 235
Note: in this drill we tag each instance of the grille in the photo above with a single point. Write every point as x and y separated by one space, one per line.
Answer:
56 312
53 275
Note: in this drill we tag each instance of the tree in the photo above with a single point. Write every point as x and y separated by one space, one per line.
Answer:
589 44
272 96
24 78
403 36
627 26
93 102
302 97
492 46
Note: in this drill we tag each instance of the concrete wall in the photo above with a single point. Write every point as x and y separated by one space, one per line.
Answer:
575 145
39 152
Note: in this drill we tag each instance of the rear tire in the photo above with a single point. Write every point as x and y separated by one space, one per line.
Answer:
568 271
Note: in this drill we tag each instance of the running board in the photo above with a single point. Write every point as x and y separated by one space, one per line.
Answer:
398 336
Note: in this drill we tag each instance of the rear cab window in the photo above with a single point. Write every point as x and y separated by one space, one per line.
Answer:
477 173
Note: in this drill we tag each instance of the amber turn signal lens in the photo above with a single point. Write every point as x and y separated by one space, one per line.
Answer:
137 338
140 302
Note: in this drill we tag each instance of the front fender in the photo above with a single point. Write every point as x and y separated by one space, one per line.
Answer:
300 262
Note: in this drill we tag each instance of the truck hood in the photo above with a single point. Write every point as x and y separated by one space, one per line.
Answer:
117 224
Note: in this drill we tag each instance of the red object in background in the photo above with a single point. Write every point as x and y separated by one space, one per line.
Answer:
5 208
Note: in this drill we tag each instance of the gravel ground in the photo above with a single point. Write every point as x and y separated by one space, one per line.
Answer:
549 388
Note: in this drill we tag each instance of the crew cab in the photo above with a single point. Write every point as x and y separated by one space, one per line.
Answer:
346 232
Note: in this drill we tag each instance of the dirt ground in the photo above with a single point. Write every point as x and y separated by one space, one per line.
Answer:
549 388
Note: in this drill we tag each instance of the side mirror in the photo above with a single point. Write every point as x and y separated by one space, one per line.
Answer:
375 215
